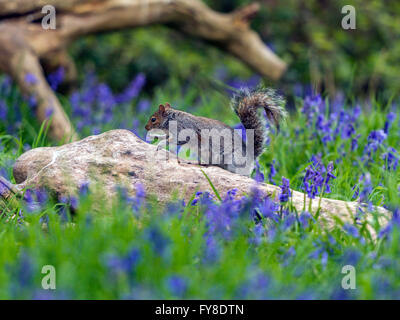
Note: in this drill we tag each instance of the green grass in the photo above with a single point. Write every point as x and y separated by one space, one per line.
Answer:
107 250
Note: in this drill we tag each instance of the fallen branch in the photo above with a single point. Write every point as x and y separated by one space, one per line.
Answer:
120 158
24 43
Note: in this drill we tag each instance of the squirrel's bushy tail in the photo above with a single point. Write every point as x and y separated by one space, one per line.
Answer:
246 104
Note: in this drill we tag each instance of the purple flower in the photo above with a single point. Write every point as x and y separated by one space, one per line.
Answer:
241 130
354 143
212 250
133 90
25 269
389 120
391 159
329 176
351 257
49 112
285 190
367 188
177 286
174 208
317 177
32 204
313 105
351 230
126 264
348 131
288 255
3 110
84 188
272 172
230 195
269 209
30 79
375 139
238 83
259 176
56 78
157 239
394 223
41 196
288 222
140 191
305 218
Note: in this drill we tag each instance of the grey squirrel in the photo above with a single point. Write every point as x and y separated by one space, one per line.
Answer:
245 103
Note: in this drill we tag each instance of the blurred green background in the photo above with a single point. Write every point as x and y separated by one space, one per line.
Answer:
307 35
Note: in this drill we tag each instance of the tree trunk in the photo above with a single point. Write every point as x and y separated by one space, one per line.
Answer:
24 43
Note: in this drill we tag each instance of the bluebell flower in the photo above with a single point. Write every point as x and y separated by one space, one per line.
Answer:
49 112
56 78
212 250
241 130
133 90
329 176
272 172
351 230
140 190
230 195
374 140
84 188
290 253
305 218
25 269
125 263
389 120
238 83
157 239
259 176
177 285
285 190
289 221
3 111
394 223
30 79
367 188
174 208
351 257
354 142
32 204
259 233
391 159
32 101
269 209
313 105
256 286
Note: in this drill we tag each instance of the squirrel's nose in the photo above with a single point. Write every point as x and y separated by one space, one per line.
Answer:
147 127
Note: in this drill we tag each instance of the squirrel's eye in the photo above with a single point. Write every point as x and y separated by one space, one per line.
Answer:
153 119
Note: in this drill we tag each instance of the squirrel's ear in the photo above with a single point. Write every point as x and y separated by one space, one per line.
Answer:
167 105
161 108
